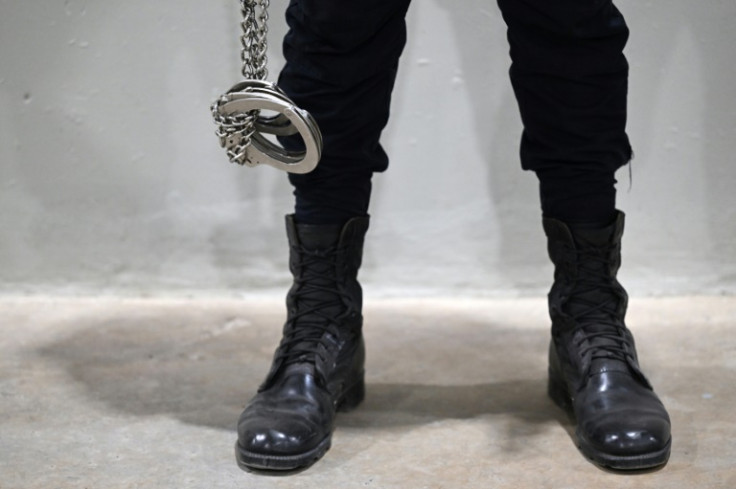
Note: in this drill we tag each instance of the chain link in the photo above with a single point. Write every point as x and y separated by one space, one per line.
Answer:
240 127
253 40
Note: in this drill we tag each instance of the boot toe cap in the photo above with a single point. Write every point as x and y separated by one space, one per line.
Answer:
280 436
622 436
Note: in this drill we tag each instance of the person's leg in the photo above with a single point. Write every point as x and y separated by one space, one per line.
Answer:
570 78
342 59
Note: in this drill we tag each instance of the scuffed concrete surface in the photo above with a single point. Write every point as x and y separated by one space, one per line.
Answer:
120 394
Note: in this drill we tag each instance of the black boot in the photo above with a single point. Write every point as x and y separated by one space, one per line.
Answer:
593 366
318 367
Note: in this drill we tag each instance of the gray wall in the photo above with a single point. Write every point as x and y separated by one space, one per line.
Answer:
112 182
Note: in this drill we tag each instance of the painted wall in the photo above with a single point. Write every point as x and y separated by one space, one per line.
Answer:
112 182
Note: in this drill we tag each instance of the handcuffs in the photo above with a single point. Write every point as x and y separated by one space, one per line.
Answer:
253 96
242 129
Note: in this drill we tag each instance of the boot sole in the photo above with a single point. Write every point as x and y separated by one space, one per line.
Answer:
248 460
558 392
260 462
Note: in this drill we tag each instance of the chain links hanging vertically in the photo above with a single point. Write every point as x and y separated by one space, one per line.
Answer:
241 127
254 41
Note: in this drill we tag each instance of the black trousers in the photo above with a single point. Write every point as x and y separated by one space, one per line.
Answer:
568 72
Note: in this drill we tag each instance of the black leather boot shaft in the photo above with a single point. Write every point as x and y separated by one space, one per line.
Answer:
594 369
318 367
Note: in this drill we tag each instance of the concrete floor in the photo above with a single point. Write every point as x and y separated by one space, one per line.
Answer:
145 393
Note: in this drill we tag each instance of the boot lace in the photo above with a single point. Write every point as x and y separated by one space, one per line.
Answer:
317 306
594 304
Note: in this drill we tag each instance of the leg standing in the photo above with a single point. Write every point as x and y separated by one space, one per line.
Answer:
570 79
342 59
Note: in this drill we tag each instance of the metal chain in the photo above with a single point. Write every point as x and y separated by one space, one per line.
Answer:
253 40
240 127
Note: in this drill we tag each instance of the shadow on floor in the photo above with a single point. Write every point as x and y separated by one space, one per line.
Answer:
442 370
178 367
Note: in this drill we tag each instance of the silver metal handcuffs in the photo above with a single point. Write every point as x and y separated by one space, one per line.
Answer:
252 96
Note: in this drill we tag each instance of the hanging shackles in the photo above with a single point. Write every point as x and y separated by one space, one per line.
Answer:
242 128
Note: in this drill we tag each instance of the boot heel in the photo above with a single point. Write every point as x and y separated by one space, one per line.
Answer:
557 391
352 397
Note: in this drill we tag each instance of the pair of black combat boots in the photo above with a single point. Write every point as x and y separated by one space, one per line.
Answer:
318 367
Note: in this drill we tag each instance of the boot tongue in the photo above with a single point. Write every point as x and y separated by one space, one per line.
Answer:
594 283
314 237
592 235
320 291
317 298
595 290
